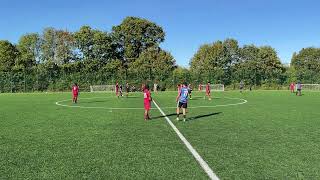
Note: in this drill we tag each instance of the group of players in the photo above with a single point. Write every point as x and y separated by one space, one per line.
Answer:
184 93
297 87
119 90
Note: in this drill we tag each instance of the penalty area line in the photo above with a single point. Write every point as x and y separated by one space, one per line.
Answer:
195 154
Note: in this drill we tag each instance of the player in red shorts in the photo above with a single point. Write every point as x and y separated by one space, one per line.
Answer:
200 87
292 86
208 91
147 102
117 90
75 93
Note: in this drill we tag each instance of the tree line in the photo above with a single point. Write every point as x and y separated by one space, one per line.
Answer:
131 52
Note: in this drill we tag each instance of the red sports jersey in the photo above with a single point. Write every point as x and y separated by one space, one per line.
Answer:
208 88
75 90
147 99
146 95
179 88
117 87
292 85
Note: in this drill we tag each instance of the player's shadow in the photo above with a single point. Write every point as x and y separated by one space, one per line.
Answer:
168 115
203 116
96 101
188 119
196 98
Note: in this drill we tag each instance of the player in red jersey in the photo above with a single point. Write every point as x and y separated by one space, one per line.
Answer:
208 91
75 93
147 102
117 89
200 87
179 88
292 86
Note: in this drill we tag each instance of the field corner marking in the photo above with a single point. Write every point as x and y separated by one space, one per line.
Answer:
195 154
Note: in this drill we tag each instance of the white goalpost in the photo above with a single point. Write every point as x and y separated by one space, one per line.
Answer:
311 87
214 87
102 88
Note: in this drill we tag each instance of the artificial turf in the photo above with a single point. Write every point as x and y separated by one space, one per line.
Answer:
274 135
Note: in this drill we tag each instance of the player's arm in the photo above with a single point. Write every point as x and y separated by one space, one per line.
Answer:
179 94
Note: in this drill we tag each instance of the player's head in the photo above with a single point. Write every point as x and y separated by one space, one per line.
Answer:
146 86
75 84
185 84
208 82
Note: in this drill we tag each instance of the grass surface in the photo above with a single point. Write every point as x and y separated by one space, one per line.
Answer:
273 136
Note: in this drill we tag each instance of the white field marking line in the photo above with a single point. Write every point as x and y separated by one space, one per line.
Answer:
134 108
195 154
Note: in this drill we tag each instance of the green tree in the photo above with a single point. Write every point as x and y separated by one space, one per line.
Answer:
181 75
103 48
48 45
8 55
307 65
29 48
247 68
212 62
153 64
64 51
270 65
135 35
84 39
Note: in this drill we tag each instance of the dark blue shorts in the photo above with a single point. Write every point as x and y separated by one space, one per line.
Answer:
182 105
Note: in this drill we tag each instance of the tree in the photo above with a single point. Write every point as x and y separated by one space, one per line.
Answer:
64 47
181 75
29 48
135 35
153 64
212 62
8 55
84 41
307 65
103 48
258 65
247 68
48 45
269 63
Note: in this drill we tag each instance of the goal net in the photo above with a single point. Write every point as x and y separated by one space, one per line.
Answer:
213 87
103 88
311 87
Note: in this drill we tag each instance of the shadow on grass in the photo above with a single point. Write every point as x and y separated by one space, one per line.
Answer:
95 101
108 100
188 119
203 116
168 115
196 98
131 97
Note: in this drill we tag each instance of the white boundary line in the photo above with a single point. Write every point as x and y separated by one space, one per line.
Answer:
58 103
195 154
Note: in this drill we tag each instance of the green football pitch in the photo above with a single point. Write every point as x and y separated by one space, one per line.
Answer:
254 135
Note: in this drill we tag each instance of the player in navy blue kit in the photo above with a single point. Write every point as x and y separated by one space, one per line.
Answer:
182 100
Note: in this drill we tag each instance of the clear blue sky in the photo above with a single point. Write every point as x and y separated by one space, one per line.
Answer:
286 25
